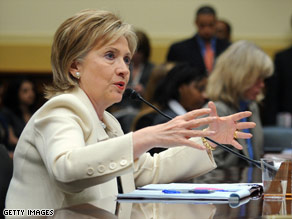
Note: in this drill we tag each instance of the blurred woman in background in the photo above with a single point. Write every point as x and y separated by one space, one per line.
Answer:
19 105
236 84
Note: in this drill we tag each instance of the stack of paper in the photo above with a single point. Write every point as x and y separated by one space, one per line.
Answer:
175 191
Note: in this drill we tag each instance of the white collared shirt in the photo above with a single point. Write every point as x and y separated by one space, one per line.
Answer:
176 107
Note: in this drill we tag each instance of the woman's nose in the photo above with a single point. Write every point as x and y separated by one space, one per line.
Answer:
123 68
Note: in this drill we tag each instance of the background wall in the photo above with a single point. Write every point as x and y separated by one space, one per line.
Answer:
27 26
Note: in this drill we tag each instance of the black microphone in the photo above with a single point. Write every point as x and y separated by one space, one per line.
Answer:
132 94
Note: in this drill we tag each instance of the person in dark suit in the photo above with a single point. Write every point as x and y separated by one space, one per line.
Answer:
278 88
283 66
202 49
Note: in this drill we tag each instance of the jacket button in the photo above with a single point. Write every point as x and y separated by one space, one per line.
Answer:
123 162
101 168
112 166
90 171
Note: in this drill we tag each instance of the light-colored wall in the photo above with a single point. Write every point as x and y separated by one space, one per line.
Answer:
27 26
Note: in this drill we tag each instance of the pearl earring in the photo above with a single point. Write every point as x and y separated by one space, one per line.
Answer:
78 75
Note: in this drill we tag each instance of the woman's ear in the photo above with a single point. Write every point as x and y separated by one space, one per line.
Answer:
75 70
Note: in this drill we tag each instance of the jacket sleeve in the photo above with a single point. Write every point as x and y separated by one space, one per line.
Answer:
74 157
173 165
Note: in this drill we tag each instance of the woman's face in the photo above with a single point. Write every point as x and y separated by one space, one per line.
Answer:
26 93
105 73
191 95
252 92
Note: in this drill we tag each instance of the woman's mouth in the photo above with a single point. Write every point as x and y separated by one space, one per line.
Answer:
120 85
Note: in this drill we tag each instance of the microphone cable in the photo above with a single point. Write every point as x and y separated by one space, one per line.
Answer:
132 94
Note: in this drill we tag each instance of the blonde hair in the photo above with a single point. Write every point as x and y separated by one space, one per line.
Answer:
76 37
236 70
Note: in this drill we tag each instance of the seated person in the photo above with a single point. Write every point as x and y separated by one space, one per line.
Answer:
147 114
179 92
19 104
236 85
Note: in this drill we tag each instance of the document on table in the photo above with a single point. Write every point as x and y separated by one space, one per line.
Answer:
220 192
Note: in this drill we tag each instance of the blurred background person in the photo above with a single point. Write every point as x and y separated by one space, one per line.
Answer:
223 30
179 92
146 115
202 49
141 66
279 90
6 165
3 122
19 105
235 85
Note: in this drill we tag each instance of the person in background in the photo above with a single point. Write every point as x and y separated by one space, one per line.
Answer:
204 47
6 166
180 91
4 134
236 85
141 65
79 150
146 115
223 30
19 105
278 88
6 169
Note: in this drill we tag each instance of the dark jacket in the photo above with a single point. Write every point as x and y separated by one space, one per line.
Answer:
189 51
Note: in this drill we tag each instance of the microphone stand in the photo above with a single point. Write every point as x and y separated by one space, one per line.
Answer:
134 95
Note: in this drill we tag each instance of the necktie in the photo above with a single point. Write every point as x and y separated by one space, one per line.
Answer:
209 57
248 141
243 107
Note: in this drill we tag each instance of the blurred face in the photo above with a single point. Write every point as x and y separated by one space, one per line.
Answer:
206 26
254 90
221 31
105 73
26 93
191 95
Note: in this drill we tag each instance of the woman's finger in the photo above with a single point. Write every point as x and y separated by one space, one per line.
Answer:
212 106
199 122
240 115
237 145
245 125
195 113
243 135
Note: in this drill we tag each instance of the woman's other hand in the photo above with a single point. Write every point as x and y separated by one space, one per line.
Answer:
175 132
227 128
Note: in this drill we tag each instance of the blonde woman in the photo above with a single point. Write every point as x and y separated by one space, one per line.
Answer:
235 85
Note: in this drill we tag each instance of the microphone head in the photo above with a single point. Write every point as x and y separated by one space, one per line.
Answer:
132 94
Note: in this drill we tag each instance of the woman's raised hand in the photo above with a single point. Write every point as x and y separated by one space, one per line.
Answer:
176 132
227 128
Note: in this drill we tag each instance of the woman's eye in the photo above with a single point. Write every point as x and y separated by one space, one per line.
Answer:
127 60
110 55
